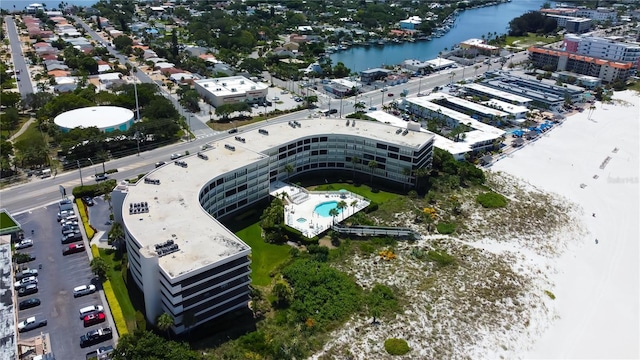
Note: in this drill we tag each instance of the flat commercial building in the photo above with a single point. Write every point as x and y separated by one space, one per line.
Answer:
184 260
480 137
229 90
475 110
571 23
480 46
370 75
105 118
605 70
517 112
486 91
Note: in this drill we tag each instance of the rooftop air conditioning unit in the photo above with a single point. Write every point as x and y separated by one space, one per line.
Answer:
242 82
224 84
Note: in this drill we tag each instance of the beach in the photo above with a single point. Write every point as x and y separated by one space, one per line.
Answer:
591 160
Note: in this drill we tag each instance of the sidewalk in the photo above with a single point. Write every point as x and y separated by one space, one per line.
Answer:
24 128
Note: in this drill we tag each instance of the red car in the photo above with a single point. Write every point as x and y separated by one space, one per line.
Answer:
390 94
73 248
94 318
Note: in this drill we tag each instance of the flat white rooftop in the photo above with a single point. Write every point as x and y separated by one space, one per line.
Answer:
478 108
230 85
499 93
174 208
94 116
507 107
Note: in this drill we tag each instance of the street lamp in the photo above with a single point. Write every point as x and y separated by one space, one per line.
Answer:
94 168
80 169
189 129
137 137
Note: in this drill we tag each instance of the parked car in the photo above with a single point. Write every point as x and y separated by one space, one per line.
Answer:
28 290
88 200
93 319
30 324
26 273
29 303
22 258
90 310
64 214
96 336
70 224
68 239
176 156
83 290
70 230
24 244
104 350
24 282
73 249
373 108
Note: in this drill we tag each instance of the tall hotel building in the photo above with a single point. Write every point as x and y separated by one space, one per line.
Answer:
184 260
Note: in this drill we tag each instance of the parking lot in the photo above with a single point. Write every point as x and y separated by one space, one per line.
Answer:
57 277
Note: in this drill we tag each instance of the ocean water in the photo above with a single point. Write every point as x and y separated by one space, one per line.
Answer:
18 5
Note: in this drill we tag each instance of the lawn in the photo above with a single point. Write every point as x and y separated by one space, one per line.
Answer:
530 39
115 276
31 132
5 133
5 221
362 190
264 257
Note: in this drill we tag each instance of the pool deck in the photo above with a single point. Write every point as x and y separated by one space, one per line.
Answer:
302 203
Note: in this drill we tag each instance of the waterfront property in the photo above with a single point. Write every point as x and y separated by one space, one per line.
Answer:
228 90
489 92
605 70
603 48
475 110
184 260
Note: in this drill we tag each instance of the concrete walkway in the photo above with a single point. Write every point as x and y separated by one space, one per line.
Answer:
24 128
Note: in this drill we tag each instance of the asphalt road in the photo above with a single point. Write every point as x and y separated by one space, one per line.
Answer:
56 279
24 85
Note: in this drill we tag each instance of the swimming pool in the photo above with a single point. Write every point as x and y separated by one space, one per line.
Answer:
323 209
301 220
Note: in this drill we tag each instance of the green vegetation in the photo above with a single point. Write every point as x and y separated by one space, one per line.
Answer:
446 228
265 257
5 221
94 190
491 200
532 22
117 274
396 346
147 345
550 294
440 257
529 39
365 191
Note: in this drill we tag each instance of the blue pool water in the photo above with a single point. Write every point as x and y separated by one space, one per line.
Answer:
324 208
301 220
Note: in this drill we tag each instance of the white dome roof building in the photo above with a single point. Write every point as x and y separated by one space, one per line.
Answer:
105 118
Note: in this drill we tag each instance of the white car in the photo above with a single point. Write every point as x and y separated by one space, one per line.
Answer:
90 310
24 244
26 281
83 290
30 324
175 156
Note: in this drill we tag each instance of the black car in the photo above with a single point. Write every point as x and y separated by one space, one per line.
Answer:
29 303
96 336
160 163
71 238
88 200
233 131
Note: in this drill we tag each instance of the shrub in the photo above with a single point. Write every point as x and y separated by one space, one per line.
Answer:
89 230
94 251
441 257
111 171
396 346
116 311
446 228
93 190
373 206
491 200
141 322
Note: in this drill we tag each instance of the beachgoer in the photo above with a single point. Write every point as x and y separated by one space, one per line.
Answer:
594 215
596 241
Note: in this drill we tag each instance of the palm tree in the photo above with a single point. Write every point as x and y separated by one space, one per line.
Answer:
406 172
475 70
289 169
164 322
333 212
354 160
353 206
341 206
420 173
372 165
358 106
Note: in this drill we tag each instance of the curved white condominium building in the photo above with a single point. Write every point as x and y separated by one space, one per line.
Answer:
189 265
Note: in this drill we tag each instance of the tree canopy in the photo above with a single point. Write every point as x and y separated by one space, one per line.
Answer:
532 22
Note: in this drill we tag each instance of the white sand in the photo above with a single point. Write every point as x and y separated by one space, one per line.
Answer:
596 285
